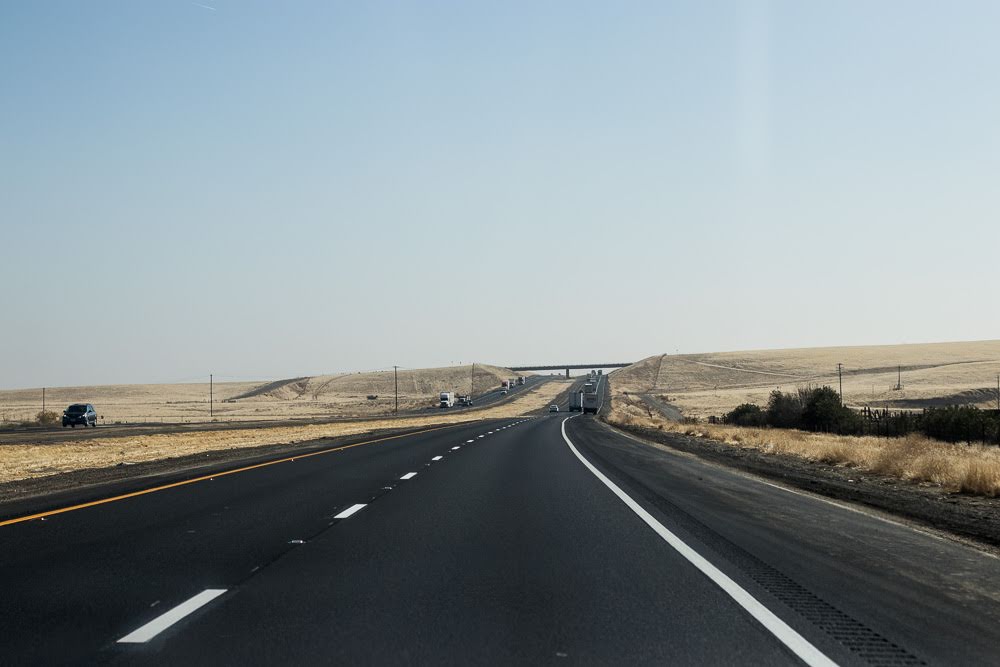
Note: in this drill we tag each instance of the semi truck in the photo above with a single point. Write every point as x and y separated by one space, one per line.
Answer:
505 385
575 401
464 400
520 379
591 403
447 399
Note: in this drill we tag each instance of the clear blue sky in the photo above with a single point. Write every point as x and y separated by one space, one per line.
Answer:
274 189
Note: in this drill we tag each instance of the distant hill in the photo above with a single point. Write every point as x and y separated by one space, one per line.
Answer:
315 396
423 383
932 374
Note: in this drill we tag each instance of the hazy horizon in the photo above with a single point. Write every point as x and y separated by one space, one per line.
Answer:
266 191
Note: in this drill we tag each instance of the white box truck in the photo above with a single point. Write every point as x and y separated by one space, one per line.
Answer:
447 399
575 401
591 403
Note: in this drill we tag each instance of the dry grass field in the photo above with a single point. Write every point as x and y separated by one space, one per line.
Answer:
317 396
23 461
712 384
966 468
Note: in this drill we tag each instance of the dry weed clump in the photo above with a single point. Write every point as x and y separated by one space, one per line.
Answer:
967 468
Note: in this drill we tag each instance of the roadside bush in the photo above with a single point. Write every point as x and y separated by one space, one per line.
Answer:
784 410
823 411
747 414
960 423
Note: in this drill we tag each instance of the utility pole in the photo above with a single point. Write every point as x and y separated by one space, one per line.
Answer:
472 385
211 392
998 393
43 398
840 375
395 382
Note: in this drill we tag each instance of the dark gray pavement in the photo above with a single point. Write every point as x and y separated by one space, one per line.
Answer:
507 549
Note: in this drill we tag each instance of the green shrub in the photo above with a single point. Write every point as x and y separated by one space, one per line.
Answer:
784 410
746 414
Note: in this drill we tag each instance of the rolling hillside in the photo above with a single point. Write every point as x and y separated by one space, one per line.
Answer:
931 374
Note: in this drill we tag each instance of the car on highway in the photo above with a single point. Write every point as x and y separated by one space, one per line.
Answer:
79 413
503 392
553 408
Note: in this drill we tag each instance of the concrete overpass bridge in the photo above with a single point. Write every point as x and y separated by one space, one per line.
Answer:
568 367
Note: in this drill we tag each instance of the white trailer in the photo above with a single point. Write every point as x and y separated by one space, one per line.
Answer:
575 401
447 399
591 403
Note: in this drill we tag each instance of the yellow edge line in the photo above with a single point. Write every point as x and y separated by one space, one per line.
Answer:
73 508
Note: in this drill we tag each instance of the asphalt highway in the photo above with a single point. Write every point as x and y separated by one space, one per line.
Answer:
530 540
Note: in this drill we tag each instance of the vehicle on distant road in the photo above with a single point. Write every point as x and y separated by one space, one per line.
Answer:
79 413
505 385
464 400
503 392
553 408
447 399
575 401
520 379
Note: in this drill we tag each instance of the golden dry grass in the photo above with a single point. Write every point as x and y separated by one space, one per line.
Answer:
712 384
317 396
37 460
971 469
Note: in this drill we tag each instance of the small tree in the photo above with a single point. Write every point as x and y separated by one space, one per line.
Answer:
746 414
784 410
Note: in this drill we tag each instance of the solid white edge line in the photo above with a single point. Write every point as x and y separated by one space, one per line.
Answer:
353 509
409 475
795 642
166 619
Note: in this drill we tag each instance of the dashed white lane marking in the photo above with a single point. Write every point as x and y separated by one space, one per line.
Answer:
437 458
489 433
353 509
468 441
798 644
454 448
409 475
482 436
165 620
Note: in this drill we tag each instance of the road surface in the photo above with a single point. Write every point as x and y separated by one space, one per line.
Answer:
531 540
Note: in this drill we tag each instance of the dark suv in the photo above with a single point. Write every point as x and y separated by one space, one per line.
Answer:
79 413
